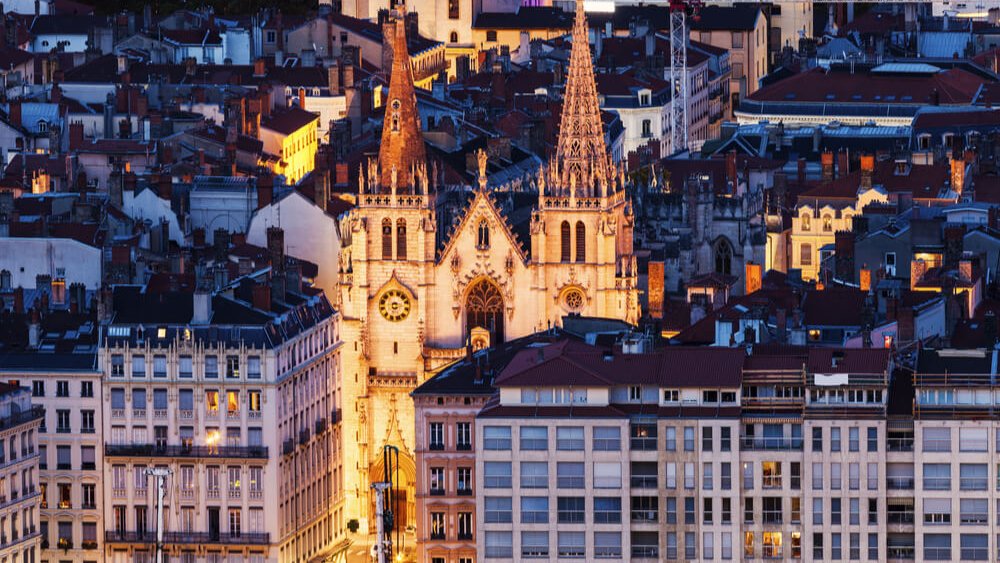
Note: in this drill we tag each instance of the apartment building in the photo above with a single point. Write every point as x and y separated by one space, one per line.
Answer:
595 452
235 391
58 363
20 498
742 30
445 409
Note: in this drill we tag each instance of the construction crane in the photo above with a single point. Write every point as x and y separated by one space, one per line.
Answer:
678 72
679 10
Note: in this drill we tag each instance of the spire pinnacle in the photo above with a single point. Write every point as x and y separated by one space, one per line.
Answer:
402 147
581 155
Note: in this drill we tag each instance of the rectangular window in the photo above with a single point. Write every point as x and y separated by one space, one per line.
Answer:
497 475
138 366
937 439
607 439
607 475
534 510
571 510
498 510
499 545
159 366
496 438
534 544
211 367
689 438
569 475
972 439
437 436
253 367
607 510
534 474
607 545
937 547
463 436
185 367
973 476
937 476
706 439
873 439
232 367
572 544
569 438
117 365
835 439
853 439
817 440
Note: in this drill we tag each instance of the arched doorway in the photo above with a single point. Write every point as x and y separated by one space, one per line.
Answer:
484 309
403 500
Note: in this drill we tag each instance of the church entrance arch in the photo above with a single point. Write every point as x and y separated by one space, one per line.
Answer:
484 308
403 500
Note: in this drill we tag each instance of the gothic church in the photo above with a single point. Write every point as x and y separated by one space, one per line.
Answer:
416 289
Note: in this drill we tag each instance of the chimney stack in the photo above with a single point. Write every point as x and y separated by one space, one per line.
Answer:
262 297
827 160
867 171
34 330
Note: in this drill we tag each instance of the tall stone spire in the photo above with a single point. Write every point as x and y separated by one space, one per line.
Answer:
581 156
402 154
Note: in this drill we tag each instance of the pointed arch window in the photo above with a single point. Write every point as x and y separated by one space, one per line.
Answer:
401 239
483 239
484 306
386 239
581 242
724 258
566 244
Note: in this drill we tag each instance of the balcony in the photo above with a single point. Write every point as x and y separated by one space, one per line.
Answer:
464 492
899 483
138 413
303 437
645 516
188 538
436 447
645 551
20 418
437 492
900 518
748 443
180 451
643 444
88 544
643 481
320 426
901 552
287 447
463 447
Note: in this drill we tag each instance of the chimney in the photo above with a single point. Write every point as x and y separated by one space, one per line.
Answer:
262 297
827 160
731 170
75 135
650 44
265 190
349 74
34 330
198 237
957 175
844 255
781 325
302 98
843 163
954 245
333 78
802 171
904 324
989 329
19 300
965 270
276 252
15 113
202 310
259 67
753 276
867 171
656 289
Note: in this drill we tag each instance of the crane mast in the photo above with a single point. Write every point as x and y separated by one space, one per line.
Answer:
678 77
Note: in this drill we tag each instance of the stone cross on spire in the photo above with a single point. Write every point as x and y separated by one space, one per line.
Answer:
402 145
580 152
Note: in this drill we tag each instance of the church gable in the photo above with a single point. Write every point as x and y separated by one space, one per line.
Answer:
487 226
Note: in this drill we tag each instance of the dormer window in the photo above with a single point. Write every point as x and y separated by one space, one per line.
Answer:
827 223
645 98
710 397
805 221
42 126
635 393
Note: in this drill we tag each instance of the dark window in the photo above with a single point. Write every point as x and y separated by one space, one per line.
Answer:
724 258
581 242
453 9
491 35
401 239
564 233
387 239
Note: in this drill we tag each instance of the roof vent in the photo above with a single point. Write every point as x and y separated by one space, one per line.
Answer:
609 355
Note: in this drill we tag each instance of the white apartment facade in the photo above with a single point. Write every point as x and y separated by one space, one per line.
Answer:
243 413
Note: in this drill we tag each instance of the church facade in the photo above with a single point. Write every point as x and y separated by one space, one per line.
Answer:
418 285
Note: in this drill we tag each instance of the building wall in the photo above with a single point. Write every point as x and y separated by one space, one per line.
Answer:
20 531
296 150
748 56
455 500
255 445
26 258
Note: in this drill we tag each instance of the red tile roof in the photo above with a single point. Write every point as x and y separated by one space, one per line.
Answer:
833 307
289 120
952 86
569 362
925 120
924 181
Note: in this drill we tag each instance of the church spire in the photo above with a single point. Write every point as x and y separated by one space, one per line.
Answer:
581 157
402 153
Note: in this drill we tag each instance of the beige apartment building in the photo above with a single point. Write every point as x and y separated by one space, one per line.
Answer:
236 393
742 30
56 367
